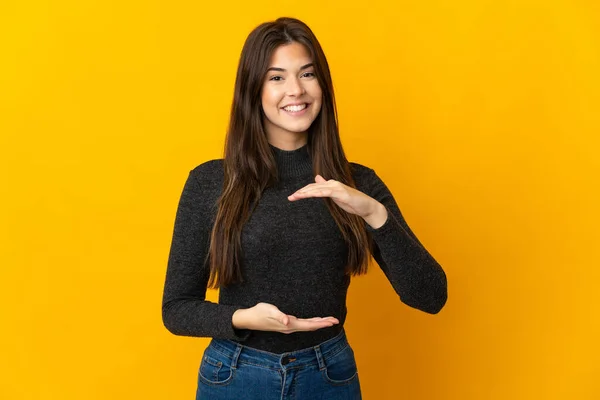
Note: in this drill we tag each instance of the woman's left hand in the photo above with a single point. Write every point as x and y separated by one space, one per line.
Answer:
348 198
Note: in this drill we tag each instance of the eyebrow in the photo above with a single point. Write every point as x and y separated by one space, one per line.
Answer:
283 69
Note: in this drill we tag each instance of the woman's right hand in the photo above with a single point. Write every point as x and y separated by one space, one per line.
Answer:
267 317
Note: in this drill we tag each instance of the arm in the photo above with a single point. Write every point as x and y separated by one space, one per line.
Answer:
185 311
415 275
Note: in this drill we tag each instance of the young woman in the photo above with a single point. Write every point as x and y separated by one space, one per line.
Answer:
280 224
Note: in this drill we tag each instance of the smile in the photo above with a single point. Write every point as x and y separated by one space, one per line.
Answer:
296 110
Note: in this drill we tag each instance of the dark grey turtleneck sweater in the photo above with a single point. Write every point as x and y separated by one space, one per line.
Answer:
293 257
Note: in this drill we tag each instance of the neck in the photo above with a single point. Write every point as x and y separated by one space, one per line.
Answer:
286 140
292 163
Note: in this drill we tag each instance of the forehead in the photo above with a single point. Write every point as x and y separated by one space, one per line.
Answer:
291 54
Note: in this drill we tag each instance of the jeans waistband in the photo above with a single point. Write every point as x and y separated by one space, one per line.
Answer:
299 358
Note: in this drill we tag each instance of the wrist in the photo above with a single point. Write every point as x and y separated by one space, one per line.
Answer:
238 319
378 216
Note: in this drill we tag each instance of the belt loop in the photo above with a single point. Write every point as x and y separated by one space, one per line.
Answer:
319 357
236 355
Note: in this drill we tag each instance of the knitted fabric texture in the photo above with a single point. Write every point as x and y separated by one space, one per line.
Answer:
293 256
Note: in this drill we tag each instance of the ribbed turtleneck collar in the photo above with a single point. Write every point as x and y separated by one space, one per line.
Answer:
292 163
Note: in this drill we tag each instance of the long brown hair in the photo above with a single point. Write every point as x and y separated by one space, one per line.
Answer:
249 165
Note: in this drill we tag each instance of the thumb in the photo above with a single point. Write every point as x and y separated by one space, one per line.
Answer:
319 179
284 319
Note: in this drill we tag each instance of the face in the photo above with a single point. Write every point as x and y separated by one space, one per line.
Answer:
291 95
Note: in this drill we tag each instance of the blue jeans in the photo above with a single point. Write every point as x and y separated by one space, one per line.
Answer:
230 370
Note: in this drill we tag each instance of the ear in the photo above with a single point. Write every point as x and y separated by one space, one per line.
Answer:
319 179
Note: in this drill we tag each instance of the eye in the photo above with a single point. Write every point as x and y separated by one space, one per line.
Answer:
309 74
275 78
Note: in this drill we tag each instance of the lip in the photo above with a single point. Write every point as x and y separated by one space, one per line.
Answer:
297 104
297 113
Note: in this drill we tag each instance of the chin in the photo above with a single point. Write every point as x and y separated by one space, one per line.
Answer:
297 128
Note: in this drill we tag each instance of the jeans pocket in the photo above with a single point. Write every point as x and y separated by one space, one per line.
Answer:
215 368
340 368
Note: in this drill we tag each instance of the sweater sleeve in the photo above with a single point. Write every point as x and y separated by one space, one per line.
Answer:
415 275
185 311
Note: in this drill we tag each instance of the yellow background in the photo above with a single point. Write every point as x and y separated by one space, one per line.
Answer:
481 116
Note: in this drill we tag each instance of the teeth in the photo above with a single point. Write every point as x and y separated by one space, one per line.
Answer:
295 108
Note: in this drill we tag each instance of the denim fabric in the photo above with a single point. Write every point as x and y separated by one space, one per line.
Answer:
229 370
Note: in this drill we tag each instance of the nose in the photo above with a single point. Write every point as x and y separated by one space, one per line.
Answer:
295 87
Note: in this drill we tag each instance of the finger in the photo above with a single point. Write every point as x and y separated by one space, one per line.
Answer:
307 187
332 319
323 183
329 185
305 325
314 325
284 319
315 192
